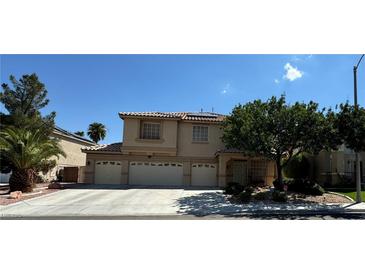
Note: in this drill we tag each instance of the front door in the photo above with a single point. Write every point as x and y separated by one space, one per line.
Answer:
240 172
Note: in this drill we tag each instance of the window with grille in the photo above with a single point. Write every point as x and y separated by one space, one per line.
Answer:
150 131
200 134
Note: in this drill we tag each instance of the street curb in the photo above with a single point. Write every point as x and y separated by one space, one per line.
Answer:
302 212
172 217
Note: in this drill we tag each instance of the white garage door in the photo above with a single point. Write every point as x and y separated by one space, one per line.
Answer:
156 174
108 172
204 175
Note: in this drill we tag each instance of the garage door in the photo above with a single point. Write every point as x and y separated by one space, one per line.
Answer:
204 175
156 174
108 172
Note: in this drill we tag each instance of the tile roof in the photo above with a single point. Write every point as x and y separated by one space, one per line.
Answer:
189 116
115 147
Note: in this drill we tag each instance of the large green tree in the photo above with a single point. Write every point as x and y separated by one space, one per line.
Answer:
96 132
27 96
279 131
350 122
23 101
30 152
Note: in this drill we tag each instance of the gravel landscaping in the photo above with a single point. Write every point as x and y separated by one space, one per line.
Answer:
265 195
324 199
39 190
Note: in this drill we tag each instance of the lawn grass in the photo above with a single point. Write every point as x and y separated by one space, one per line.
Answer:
352 194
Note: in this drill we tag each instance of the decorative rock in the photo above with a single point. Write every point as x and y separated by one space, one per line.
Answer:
55 185
15 195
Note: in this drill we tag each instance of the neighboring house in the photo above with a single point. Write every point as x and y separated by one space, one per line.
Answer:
173 149
337 167
74 160
71 145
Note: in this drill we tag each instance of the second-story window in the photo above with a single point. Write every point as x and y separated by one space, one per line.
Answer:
150 131
200 133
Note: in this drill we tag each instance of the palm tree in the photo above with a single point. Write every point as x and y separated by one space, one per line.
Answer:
96 132
29 152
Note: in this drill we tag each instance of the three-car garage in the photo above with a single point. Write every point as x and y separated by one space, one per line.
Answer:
144 173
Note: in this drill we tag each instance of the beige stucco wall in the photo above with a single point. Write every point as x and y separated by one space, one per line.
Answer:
74 155
186 146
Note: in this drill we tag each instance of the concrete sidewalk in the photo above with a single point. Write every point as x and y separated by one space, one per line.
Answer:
169 203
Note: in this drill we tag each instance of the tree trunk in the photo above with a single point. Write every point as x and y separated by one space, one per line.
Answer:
280 173
21 180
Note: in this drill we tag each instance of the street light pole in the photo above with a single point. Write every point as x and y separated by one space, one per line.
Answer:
358 168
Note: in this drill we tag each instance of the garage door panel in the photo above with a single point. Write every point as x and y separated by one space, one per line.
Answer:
204 175
108 172
158 174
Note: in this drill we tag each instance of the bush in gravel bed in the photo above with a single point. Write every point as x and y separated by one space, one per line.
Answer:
305 186
316 190
233 188
279 196
280 186
249 189
245 196
261 196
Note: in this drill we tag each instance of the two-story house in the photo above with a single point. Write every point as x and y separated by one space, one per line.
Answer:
173 149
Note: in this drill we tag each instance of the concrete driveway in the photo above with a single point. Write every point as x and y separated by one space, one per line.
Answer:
101 201
109 201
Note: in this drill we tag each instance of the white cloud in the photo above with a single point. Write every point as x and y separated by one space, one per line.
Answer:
292 73
276 81
226 88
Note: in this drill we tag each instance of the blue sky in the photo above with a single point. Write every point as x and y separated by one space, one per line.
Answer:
87 88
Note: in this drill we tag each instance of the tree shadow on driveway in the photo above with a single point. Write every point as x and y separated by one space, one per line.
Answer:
216 203
207 203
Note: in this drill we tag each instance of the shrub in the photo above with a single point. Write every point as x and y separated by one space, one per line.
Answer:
279 196
280 187
297 167
306 187
299 185
249 189
316 190
261 196
233 188
245 196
